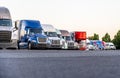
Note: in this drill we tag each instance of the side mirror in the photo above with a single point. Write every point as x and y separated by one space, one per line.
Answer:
16 27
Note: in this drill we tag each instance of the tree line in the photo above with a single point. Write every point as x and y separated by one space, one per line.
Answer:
107 38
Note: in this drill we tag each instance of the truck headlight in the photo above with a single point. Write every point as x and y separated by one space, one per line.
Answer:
61 42
34 41
76 44
49 41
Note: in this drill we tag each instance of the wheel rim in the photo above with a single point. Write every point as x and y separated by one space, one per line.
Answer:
29 46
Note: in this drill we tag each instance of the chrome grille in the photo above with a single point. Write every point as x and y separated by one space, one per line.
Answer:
42 39
70 44
5 36
63 43
55 41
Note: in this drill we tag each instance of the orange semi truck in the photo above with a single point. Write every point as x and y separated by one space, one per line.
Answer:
80 38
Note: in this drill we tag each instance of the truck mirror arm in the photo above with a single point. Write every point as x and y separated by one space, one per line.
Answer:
15 29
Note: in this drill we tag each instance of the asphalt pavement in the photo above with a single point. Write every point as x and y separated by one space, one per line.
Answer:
59 64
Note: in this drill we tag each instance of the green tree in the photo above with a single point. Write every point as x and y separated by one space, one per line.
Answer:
106 38
95 37
91 37
116 40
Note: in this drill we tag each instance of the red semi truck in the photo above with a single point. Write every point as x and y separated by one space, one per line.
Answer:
80 38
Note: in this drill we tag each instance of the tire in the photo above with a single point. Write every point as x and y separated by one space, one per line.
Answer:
18 45
29 46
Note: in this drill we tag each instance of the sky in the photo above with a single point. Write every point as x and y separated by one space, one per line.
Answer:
92 16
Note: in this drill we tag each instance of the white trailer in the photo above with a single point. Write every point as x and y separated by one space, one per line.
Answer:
7 31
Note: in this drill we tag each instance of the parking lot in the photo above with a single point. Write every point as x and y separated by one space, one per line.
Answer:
59 64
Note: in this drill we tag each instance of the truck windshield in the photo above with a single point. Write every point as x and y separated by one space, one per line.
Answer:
35 31
5 22
52 34
68 38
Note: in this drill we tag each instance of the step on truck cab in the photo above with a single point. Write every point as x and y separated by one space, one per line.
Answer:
7 31
51 33
31 35
70 43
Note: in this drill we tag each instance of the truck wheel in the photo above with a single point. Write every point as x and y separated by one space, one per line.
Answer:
29 46
18 45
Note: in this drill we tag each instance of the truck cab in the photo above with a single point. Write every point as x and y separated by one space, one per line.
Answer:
7 31
31 35
80 38
98 44
51 33
109 46
62 41
67 36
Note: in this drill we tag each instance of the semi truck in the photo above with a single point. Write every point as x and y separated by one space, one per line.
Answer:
70 43
7 30
31 35
80 38
51 33
98 44
62 41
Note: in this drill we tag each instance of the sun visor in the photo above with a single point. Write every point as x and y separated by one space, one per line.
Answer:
4 13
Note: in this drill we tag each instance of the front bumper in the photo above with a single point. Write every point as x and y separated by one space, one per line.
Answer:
8 45
40 45
71 47
56 46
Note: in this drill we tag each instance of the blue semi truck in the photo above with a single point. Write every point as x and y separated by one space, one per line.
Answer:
31 35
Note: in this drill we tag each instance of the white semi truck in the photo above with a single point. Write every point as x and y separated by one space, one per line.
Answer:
7 31
70 43
51 33
62 41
